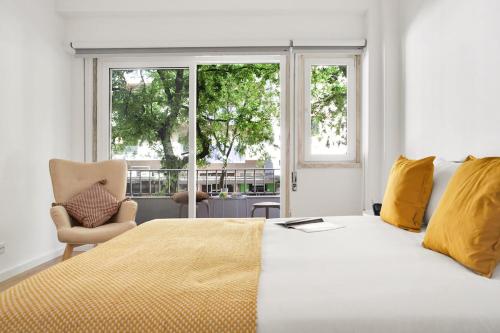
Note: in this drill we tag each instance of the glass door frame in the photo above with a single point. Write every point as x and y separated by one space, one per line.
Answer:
103 94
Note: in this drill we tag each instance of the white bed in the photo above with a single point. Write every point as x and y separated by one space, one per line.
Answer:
368 277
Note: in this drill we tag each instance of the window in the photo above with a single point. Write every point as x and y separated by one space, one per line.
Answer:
149 117
327 111
193 123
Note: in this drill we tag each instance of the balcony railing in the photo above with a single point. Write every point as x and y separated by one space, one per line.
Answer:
166 182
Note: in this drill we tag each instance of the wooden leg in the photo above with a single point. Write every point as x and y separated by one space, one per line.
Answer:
180 210
68 251
253 212
267 212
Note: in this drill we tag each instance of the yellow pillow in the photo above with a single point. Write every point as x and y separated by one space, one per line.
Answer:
466 224
407 193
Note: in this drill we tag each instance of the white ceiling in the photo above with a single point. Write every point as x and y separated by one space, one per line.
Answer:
253 7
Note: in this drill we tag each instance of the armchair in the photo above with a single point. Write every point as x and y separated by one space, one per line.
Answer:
70 178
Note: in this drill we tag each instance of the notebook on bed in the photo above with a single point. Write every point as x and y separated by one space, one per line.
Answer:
311 224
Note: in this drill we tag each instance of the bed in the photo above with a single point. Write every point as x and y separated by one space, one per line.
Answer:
366 277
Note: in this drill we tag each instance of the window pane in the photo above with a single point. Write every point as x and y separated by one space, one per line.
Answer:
149 128
328 109
238 137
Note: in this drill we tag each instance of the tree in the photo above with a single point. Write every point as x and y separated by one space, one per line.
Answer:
237 107
329 104
152 109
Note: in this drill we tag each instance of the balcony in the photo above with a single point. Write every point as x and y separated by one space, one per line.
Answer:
153 189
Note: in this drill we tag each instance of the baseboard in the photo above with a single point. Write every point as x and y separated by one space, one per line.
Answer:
20 268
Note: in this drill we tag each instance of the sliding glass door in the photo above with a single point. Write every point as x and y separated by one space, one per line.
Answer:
145 107
201 136
149 121
238 138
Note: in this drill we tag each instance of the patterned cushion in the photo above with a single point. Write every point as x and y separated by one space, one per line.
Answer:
92 207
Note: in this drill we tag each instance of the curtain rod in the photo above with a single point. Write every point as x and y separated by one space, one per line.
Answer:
83 48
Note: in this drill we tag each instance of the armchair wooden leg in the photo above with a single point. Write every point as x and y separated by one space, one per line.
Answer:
68 251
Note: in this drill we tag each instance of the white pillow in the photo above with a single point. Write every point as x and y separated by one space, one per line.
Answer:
443 171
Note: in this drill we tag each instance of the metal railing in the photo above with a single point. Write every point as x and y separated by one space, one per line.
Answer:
166 182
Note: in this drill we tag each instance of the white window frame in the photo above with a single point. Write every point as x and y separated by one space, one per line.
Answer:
104 103
104 94
305 63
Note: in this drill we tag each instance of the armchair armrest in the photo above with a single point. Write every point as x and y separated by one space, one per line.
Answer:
127 211
60 217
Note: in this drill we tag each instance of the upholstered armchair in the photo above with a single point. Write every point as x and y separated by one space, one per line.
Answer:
70 178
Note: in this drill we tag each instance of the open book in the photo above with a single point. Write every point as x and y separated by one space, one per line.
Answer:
312 224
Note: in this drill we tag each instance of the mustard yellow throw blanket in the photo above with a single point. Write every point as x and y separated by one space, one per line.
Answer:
163 276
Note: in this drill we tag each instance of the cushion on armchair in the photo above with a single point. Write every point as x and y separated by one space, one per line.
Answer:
92 207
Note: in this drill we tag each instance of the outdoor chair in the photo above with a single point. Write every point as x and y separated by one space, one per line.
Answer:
182 198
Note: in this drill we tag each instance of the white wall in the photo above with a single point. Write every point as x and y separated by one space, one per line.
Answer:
35 126
213 27
391 66
451 78
372 112
326 192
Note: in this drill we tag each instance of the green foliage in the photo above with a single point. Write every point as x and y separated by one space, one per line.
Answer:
237 107
329 104
151 109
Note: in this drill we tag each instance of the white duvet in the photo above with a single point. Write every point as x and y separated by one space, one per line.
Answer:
368 277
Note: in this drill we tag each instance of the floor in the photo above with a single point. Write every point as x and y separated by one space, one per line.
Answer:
24 275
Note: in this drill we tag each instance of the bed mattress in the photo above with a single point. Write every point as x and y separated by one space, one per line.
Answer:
368 277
